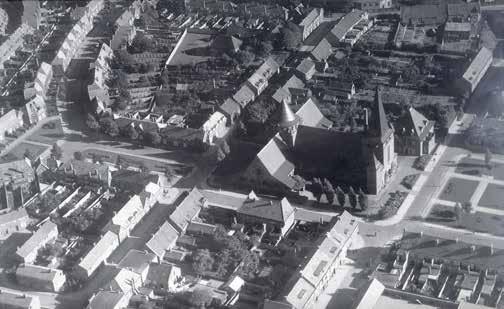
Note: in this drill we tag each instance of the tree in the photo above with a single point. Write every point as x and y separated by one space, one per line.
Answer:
246 57
317 188
109 126
329 191
291 38
141 43
131 133
56 151
340 194
153 137
352 197
266 48
250 265
223 261
92 123
78 156
467 207
363 200
200 297
202 261
488 158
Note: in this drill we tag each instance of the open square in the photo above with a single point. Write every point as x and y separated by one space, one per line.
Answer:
458 190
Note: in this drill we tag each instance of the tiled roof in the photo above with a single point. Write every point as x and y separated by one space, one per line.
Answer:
106 300
414 122
39 273
346 23
216 198
99 252
136 261
187 210
37 239
16 170
244 96
369 294
123 217
277 211
126 281
164 239
312 117
282 93
322 51
306 65
230 107
273 158
159 273
83 168
478 64
10 300
13 216
426 13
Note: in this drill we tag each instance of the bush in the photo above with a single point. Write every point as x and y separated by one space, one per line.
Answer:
421 162
409 181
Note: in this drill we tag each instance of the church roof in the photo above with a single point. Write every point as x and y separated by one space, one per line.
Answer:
379 125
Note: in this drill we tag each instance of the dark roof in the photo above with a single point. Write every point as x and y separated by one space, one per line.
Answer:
378 123
136 261
463 9
277 211
133 179
105 300
424 13
159 273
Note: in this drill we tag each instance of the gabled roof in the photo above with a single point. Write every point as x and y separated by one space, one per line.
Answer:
244 96
414 123
369 294
346 23
38 238
99 252
12 216
306 65
284 92
187 210
312 117
106 300
230 107
160 273
136 261
164 239
273 157
39 273
322 51
18 301
127 212
278 211
126 281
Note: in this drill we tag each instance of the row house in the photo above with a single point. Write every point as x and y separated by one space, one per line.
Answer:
14 42
13 221
76 36
101 72
41 84
350 28
476 70
47 232
125 29
11 300
97 255
40 277
311 22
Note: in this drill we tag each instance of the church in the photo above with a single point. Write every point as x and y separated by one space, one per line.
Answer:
306 147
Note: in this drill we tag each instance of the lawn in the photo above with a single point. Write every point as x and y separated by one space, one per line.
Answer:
18 152
477 222
471 166
48 133
458 190
492 197
498 171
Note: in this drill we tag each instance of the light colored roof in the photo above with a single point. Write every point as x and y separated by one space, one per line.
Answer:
310 17
16 170
100 252
188 209
273 158
311 115
224 198
322 51
126 281
37 239
136 261
466 305
164 239
306 65
344 227
18 301
235 283
105 300
346 23
478 65
284 91
127 212
300 293
271 304
463 27
244 96
369 295
35 272
13 216
230 107
414 120
214 119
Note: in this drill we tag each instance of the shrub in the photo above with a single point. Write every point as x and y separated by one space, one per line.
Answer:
421 162
409 181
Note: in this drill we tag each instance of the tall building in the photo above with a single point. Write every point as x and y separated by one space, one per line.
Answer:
31 13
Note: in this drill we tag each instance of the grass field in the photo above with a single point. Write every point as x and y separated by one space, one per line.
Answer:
492 197
458 190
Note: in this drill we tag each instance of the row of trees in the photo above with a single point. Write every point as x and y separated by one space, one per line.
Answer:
320 187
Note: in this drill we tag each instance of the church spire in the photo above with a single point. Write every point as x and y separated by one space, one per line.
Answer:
379 125
289 123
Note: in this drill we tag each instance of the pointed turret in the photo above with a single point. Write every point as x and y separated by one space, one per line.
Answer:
378 123
289 123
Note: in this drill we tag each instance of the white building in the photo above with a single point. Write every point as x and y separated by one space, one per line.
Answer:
29 250
95 257
9 300
476 70
40 277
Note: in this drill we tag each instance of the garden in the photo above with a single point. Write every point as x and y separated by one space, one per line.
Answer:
493 197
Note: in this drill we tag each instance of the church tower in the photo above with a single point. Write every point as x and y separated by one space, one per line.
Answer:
379 144
289 123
